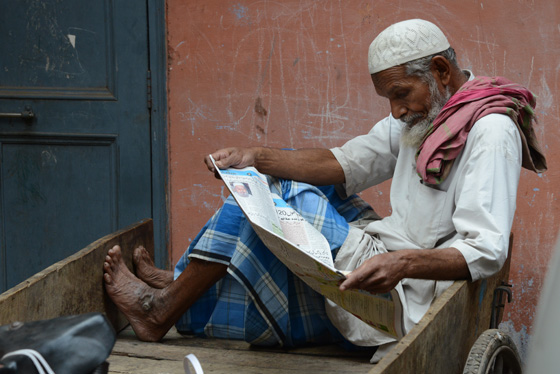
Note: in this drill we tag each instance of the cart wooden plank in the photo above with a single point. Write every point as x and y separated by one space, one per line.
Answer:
226 356
75 284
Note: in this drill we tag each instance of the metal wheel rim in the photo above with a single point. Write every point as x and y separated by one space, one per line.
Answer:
502 359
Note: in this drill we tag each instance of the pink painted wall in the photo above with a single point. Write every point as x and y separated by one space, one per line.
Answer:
294 74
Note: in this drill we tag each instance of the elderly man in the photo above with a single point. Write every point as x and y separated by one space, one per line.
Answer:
453 145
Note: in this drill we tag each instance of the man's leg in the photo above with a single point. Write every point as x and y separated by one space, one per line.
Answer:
154 302
148 272
151 311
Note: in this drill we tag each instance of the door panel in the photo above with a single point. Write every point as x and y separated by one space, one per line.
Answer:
46 182
61 49
81 167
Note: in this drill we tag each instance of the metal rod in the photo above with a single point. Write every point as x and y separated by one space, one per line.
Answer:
11 115
25 115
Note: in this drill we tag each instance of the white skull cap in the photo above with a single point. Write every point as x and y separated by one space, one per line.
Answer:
403 42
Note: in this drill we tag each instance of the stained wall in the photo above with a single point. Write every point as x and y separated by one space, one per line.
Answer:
293 73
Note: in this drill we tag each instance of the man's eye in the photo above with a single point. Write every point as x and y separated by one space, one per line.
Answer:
402 94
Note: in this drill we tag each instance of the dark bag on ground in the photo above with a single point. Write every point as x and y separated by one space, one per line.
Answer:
70 345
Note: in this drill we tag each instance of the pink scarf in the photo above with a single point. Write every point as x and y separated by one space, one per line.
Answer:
474 100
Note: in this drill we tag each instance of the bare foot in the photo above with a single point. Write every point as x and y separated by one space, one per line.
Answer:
143 306
148 272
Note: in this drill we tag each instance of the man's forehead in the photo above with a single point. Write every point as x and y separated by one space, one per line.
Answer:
391 79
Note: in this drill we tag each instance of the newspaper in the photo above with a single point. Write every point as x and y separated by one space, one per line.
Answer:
305 251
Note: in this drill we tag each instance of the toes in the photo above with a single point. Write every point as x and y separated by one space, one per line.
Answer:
118 252
115 252
137 254
140 251
107 278
141 255
108 269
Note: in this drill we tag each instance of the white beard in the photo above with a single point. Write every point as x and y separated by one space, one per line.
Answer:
413 134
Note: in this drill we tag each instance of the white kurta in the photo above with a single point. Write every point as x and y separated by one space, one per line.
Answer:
472 210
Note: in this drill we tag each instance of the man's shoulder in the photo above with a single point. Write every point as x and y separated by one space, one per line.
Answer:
494 124
496 129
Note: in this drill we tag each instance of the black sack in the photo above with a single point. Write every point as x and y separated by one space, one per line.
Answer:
77 344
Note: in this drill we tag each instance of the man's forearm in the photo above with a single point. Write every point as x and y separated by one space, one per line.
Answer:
382 272
313 165
437 264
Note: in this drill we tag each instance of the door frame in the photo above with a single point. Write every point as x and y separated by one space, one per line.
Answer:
158 126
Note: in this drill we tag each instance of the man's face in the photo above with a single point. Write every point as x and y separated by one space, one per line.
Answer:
412 99
241 190
409 96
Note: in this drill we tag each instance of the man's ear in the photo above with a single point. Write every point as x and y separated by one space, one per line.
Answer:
441 69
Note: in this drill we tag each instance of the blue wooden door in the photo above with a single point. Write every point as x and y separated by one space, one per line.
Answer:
74 127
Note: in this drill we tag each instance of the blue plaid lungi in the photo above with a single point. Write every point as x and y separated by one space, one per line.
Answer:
260 300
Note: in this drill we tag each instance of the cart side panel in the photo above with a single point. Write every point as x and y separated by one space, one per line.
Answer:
441 341
75 284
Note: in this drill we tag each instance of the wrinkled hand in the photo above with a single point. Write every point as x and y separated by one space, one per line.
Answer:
231 158
379 274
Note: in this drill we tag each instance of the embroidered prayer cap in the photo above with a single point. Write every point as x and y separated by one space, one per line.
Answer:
403 42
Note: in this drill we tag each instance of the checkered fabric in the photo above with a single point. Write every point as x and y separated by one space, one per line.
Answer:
260 300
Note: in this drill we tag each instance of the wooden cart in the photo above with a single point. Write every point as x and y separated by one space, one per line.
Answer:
440 343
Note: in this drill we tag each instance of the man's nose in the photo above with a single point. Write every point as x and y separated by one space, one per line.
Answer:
398 110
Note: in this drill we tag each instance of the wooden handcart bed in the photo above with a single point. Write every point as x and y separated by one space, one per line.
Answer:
440 343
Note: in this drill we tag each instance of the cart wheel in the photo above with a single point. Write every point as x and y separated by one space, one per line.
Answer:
494 352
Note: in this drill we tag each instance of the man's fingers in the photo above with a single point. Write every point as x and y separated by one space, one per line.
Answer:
371 276
354 282
231 158
224 163
366 285
346 286
226 158
209 164
348 283
222 158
